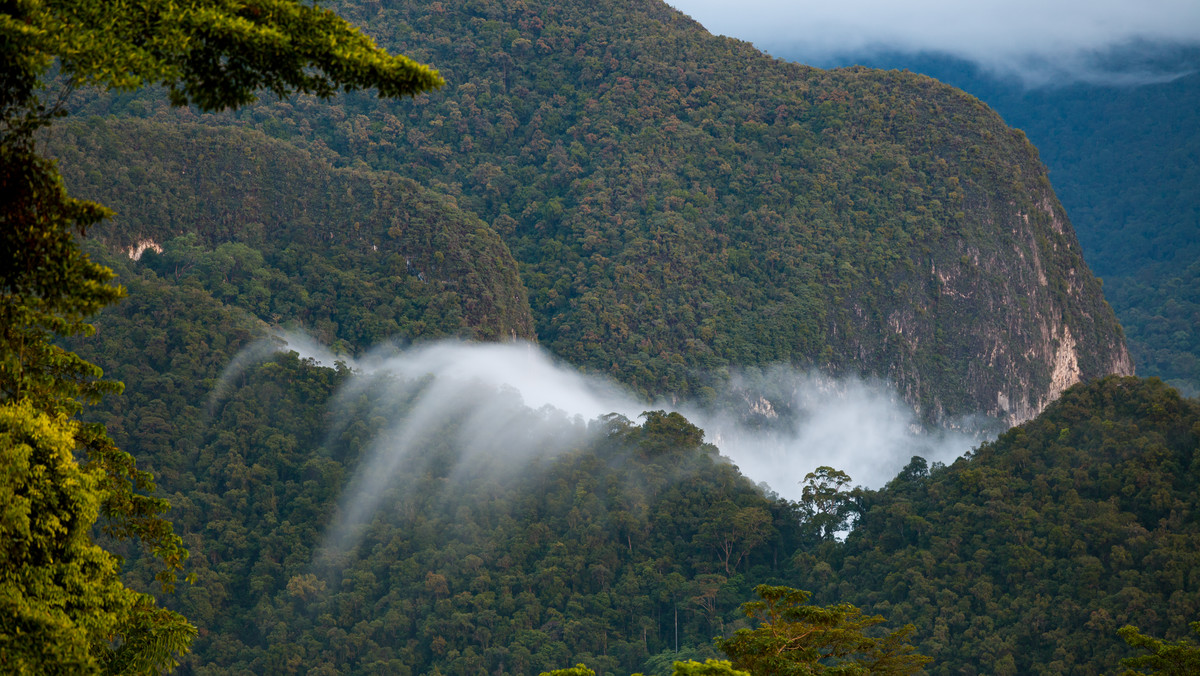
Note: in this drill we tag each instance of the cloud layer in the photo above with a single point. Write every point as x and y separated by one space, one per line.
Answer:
1034 39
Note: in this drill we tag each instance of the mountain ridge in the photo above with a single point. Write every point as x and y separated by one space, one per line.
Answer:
681 204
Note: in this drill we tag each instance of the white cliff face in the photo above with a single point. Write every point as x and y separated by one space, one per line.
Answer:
135 252
1066 366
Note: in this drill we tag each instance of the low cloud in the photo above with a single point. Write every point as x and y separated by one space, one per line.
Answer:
502 409
1041 42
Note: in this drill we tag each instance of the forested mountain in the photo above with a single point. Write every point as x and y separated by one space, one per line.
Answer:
680 203
1028 555
1024 557
1125 161
351 255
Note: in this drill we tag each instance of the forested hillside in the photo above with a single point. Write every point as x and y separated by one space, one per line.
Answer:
680 203
587 556
350 255
1027 556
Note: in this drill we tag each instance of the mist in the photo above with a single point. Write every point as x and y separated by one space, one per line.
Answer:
491 411
1038 42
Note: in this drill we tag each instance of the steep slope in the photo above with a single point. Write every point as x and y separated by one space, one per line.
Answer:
680 202
350 254
1028 556
1125 161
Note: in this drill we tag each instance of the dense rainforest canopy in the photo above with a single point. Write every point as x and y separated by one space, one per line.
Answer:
647 201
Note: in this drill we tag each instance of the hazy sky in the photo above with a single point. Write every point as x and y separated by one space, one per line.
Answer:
1016 36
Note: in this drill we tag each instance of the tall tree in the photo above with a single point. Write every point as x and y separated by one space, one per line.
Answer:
825 502
794 638
62 606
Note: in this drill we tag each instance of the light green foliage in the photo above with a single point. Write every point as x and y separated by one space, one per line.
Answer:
707 668
62 604
1165 658
795 638
577 670
825 502
214 53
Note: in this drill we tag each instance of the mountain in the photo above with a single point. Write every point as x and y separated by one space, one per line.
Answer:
647 201
680 203
1125 161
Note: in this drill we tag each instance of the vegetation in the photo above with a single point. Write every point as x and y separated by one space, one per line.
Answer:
795 638
1031 553
352 256
851 219
1165 657
64 606
1125 161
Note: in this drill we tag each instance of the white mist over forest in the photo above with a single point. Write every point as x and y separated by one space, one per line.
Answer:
506 407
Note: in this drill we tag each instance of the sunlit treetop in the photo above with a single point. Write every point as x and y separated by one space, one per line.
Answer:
215 54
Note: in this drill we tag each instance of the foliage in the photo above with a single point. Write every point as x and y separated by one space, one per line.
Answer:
707 668
826 506
577 670
62 604
354 257
677 203
1168 658
216 53
1160 310
588 557
1029 554
795 638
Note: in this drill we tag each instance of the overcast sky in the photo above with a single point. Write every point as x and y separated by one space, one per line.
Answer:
1027 37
